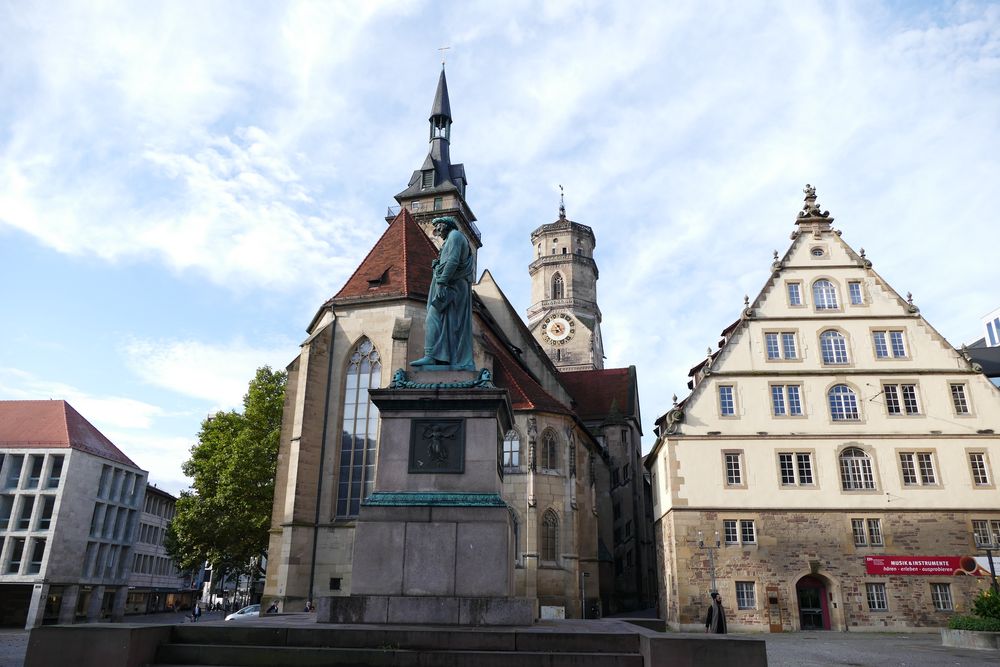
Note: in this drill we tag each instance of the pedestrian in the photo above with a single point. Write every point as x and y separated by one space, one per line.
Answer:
309 605
715 621
196 612
273 609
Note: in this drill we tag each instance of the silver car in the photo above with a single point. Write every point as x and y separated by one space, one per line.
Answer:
252 611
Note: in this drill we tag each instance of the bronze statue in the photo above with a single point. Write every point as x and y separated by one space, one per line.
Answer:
448 335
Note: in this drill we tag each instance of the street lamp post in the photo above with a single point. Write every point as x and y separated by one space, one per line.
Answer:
583 594
711 555
988 547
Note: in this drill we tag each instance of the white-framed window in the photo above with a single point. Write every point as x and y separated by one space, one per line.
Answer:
727 400
877 599
730 531
786 400
958 398
901 399
833 348
795 468
748 531
825 295
734 468
889 344
856 470
854 291
986 532
917 468
979 468
867 532
794 290
512 450
941 597
746 595
780 345
843 403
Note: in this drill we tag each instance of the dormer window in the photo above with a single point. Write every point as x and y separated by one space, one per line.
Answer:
427 179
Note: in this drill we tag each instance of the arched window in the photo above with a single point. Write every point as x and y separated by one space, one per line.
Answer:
557 286
824 295
833 346
843 403
856 470
550 536
512 450
550 449
360 430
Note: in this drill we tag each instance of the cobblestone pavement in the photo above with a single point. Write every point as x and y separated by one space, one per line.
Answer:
854 649
798 649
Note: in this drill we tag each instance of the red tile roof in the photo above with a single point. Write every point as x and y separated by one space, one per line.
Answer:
398 265
596 392
48 424
525 392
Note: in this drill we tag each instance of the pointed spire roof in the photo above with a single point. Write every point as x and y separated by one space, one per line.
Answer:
53 424
399 265
441 106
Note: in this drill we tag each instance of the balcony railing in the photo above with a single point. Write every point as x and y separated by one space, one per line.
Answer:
420 207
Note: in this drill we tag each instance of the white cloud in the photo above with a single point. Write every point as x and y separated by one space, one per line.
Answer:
216 373
114 411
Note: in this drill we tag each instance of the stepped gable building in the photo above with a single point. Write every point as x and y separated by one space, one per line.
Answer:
835 459
557 462
69 506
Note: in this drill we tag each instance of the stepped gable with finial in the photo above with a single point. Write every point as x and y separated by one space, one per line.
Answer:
399 265
48 424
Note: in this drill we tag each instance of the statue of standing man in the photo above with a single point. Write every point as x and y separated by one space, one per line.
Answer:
448 336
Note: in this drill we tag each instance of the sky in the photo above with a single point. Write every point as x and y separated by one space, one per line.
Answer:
183 184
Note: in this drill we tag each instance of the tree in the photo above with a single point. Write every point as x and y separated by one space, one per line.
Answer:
225 518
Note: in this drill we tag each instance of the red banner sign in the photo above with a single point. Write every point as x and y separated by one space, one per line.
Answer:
927 565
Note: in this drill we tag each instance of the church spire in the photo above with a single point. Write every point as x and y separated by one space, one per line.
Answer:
440 117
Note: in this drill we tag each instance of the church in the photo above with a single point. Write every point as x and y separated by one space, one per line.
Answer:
573 479
834 466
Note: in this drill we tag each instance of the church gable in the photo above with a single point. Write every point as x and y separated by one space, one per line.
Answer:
399 265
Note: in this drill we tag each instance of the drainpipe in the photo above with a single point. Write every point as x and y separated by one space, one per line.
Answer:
322 459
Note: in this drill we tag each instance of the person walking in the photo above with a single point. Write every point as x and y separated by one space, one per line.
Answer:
715 621
196 612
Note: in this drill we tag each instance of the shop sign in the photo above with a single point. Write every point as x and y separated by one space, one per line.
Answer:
977 566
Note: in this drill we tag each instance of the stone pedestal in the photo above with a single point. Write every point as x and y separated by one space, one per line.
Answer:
434 541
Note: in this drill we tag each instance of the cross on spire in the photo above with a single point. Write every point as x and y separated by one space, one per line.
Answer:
442 49
562 204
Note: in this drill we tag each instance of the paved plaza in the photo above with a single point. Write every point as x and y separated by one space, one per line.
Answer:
799 649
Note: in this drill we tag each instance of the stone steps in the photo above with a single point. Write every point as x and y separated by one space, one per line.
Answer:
243 646
219 655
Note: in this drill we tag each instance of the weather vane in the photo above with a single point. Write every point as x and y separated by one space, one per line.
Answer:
442 50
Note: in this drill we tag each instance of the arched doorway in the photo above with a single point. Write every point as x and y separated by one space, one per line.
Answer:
814 605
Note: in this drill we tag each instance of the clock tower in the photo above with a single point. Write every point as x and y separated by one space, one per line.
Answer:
564 316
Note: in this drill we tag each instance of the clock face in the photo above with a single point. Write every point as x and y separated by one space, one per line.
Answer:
558 328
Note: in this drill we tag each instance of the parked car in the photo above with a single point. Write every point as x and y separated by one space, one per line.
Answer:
252 611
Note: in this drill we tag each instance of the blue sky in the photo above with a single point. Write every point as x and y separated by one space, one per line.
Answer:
183 184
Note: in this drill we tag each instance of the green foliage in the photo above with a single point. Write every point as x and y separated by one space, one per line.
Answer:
974 623
225 518
987 605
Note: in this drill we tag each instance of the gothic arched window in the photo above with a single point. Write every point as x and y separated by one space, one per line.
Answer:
550 536
558 290
833 347
856 470
550 450
360 429
824 295
512 450
843 403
